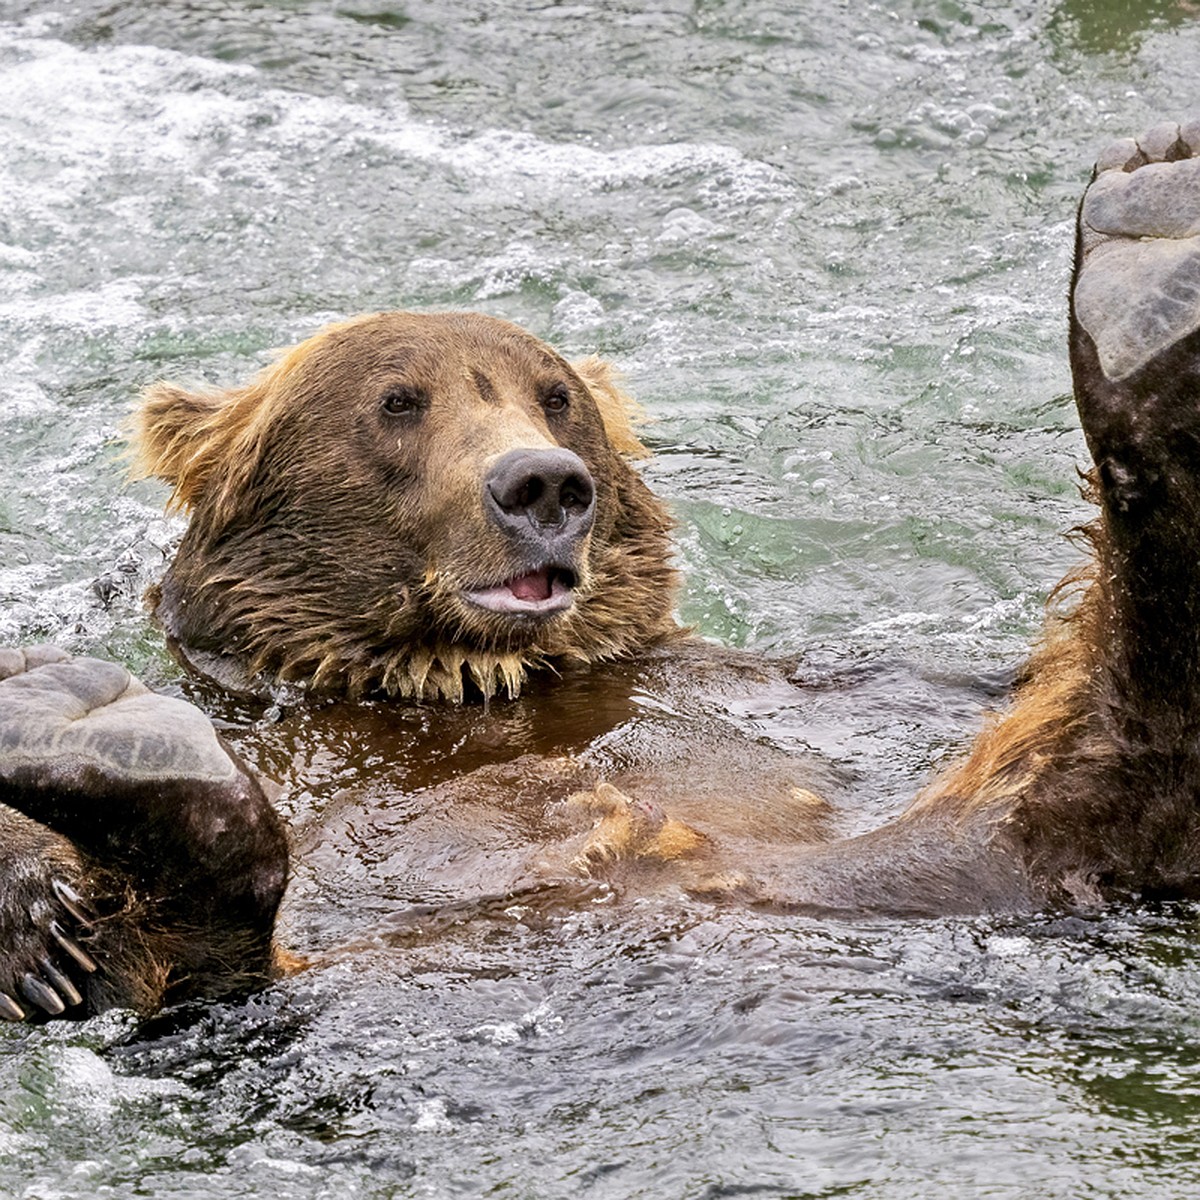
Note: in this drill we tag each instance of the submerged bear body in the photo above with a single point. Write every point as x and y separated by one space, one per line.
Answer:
441 509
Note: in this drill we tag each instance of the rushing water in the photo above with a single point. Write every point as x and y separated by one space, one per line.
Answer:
828 245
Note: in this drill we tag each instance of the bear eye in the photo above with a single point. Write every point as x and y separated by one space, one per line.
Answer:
402 401
557 398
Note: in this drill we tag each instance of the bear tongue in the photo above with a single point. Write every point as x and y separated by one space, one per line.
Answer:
534 586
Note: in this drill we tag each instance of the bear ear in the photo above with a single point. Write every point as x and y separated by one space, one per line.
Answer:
177 435
619 411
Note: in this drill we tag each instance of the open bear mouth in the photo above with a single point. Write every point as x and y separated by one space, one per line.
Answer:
536 593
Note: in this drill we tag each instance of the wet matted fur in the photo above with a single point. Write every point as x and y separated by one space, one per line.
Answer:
340 513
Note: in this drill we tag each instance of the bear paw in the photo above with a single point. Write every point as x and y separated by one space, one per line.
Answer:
1135 320
1138 286
631 828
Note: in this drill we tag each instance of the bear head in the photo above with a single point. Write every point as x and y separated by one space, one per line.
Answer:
411 505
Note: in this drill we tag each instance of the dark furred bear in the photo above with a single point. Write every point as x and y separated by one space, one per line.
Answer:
433 506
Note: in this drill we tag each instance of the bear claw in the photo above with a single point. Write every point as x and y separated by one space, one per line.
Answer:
36 991
74 903
60 983
69 946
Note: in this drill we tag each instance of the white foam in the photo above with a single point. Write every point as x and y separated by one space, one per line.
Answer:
507 1033
195 121
110 306
1009 947
287 1166
24 398
432 1118
83 1084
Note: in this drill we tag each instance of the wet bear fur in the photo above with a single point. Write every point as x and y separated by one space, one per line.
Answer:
338 512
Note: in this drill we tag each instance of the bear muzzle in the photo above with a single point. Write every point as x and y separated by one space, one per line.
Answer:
544 503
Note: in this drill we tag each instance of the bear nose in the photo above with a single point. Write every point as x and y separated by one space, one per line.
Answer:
551 490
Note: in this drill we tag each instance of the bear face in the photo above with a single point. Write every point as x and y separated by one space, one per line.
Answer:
408 505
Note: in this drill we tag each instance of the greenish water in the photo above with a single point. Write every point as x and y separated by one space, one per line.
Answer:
828 245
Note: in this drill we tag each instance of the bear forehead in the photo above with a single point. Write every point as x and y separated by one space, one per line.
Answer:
437 345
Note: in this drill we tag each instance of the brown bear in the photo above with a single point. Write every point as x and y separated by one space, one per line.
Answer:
436 506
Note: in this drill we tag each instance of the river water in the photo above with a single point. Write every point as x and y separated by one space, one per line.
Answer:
828 245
